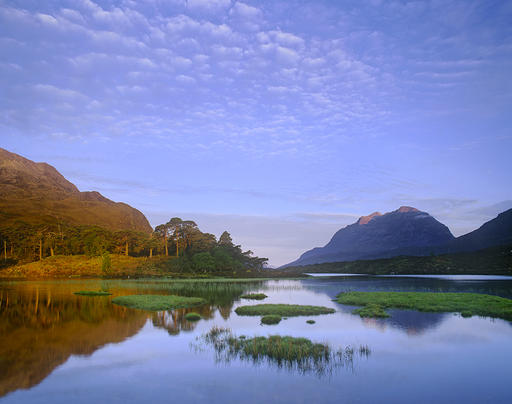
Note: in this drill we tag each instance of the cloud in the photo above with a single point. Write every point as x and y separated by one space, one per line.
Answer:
56 92
245 11
209 6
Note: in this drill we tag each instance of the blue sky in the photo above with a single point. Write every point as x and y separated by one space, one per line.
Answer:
280 121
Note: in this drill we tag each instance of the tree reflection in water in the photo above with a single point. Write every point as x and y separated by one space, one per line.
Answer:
42 326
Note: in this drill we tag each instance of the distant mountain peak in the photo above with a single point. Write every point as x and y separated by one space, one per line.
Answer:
379 235
366 219
406 209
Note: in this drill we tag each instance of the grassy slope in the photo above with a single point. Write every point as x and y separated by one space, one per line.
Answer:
64 266
495 261
467 304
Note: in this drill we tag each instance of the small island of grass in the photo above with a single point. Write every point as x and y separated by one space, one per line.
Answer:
271 319
192 316
294 353
372 310
254 296
310 321
468 304
282 310
92 293
157 302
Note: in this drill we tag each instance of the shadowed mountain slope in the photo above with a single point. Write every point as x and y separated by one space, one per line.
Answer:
495 232
375 235
37 194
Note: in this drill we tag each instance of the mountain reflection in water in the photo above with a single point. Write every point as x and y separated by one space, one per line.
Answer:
42 325
40 329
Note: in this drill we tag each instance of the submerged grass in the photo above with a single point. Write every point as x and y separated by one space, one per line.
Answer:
92 293
287 310
157 302
192 316
468 304
255 296
271 319
294 353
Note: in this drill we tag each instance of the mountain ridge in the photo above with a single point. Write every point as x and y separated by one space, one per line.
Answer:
364 239
38 194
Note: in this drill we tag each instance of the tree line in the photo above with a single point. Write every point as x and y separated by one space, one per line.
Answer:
191 249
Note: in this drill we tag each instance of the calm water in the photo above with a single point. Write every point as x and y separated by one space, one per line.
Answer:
56 347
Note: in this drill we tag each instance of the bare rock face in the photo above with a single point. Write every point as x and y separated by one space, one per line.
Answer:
378 236
366 219
36 193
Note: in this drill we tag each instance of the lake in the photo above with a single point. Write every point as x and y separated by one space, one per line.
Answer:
56 347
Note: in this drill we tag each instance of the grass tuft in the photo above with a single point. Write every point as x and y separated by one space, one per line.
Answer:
254 296
371 310
192 316
92 293
468 304
294 353
271 319
157 302
288 310
310 321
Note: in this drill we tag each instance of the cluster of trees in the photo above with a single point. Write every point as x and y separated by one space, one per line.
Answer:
191 249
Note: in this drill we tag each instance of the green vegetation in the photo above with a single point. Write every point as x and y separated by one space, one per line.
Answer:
255 296
490 261
467 303
282 310
310 321
92 293
192 316
179 247
157 302
298 354
371 310
106 264
216 290
271 319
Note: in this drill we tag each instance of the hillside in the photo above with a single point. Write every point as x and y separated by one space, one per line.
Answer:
490 261
37 194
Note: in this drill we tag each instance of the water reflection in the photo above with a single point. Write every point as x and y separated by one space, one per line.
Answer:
40 328
42 324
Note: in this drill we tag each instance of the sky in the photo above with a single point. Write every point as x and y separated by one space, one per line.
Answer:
279 121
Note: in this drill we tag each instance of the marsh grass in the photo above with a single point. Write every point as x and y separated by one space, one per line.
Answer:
310 321
468 304
192 316
271 319
291 353
157 302
288 310
254 296
371 310
92 293
215 291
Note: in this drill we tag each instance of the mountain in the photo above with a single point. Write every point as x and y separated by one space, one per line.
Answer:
376 235
495 232
37 194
